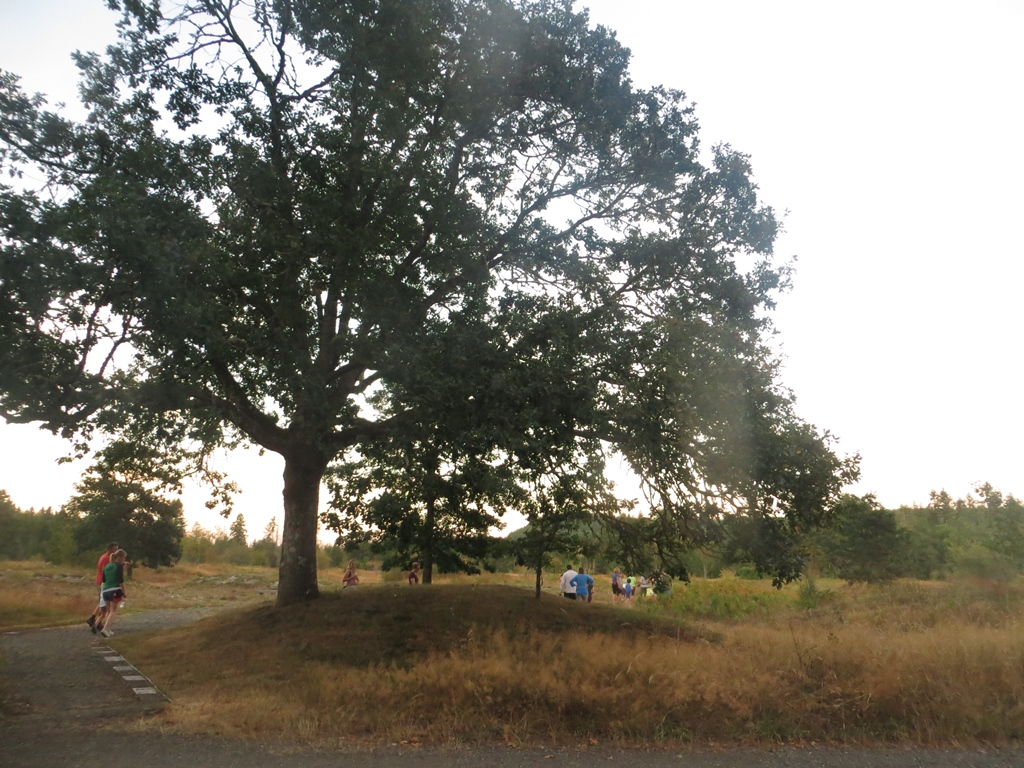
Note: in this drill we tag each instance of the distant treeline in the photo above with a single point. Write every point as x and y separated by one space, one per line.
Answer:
34 535
981 534
71 537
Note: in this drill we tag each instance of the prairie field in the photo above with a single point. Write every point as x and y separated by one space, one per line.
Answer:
478 660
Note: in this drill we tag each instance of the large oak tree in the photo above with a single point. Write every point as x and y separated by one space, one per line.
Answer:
315 225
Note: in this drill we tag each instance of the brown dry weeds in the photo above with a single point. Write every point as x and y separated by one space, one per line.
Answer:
458 664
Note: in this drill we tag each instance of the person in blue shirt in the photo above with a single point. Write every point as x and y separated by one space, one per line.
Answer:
584 584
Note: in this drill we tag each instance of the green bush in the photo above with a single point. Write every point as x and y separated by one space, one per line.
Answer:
978 560
811 596
748 572
724 599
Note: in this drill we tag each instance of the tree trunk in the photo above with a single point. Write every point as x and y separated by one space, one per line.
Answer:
428 543
297 582
540 569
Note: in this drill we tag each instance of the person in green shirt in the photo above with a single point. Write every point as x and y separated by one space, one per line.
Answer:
95 621
113 591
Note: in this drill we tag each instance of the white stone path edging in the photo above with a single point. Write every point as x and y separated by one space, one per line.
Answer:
131 675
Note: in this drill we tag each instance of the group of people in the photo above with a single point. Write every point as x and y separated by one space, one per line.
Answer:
625 588
110 580
351 576
574 585
579 585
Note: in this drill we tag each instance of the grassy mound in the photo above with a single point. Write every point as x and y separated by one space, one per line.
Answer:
437 664
402 626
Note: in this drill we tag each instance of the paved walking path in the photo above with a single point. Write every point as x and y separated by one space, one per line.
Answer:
67 699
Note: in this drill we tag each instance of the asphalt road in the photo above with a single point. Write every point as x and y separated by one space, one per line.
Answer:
69 702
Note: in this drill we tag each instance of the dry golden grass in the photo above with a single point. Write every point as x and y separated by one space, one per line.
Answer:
36 594
478 660
448 663
455 663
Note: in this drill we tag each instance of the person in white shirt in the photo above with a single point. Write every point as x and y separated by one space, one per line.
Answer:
567 589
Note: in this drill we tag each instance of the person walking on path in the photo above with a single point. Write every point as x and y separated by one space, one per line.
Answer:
565 585
584 584
113 589
350 578
95 621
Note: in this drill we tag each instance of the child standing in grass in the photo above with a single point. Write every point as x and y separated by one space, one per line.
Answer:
113 589
350 578
617 590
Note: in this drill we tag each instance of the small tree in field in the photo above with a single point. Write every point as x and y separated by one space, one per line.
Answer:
198 545
265 550
557 513
116 502
323 227
237 532
864 542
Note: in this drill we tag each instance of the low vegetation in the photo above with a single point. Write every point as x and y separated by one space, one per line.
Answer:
34 594
477 660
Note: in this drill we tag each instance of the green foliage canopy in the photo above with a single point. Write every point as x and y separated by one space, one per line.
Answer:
318 226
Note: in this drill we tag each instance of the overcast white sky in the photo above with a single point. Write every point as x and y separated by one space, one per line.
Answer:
890 132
